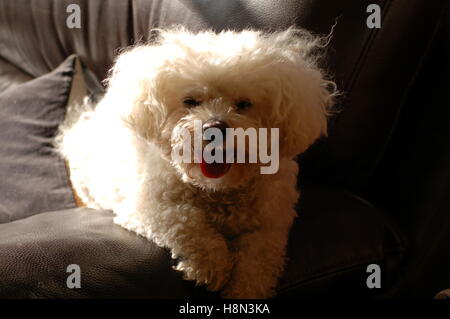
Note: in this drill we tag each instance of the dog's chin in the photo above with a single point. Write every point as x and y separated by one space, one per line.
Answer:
236 176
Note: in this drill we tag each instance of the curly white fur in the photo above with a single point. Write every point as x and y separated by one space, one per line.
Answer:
230 233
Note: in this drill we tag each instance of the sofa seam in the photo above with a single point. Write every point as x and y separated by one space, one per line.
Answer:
365 50
293 286
398 249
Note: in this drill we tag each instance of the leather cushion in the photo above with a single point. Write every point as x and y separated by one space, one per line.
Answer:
333 240
33 178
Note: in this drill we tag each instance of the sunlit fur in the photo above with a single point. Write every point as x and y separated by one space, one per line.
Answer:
230 233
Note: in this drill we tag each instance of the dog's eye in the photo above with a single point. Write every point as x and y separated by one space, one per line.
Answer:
243 104
190 102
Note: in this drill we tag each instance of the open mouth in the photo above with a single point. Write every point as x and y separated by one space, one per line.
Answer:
214 170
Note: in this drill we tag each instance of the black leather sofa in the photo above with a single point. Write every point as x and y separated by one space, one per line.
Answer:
376 191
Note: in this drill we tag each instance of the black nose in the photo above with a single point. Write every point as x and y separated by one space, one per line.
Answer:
222 126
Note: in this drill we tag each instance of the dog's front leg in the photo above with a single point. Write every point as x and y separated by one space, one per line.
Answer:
260 254
259 263
204 252
167 219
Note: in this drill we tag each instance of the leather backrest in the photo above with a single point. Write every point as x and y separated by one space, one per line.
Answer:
374 68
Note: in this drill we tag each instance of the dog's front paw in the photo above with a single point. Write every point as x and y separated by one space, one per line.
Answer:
249 281
213 277
211 268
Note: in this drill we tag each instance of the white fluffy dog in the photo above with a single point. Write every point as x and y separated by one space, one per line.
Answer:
228 232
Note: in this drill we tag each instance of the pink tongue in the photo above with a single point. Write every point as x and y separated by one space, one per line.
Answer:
214 170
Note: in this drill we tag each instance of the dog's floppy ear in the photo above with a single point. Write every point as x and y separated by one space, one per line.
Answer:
304 95
305 105
131 89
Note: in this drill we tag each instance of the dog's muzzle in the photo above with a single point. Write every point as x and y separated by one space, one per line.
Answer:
215 170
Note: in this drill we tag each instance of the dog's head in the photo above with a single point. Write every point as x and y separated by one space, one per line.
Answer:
221 81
